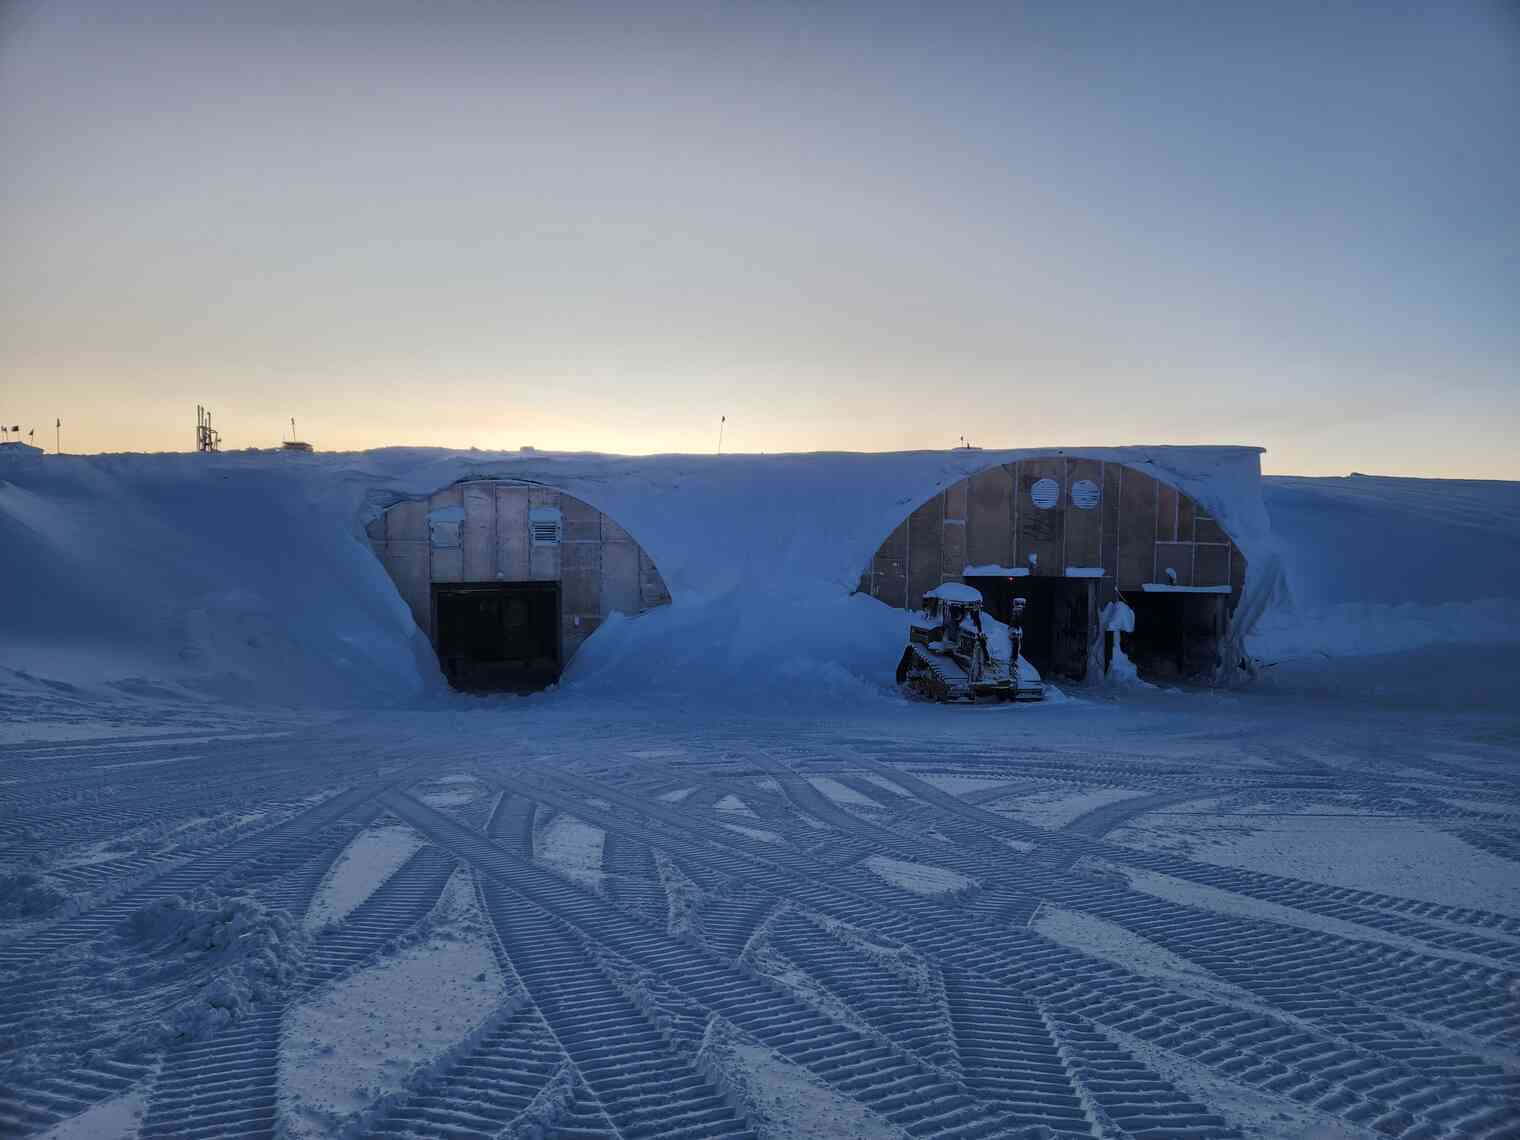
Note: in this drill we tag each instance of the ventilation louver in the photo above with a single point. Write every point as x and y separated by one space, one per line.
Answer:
543 524
1085 494
1046 493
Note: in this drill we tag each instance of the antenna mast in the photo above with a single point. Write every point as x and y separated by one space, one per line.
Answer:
207 438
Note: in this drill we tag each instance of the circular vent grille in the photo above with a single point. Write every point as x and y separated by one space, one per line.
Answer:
1046 493
1084 494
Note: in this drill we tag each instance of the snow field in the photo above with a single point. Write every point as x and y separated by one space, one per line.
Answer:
663 918
756 833
370 1035
373 856
931 943
842 793
782 1099
574 848
1409 858
108 1120
1059 807
733 805
919 878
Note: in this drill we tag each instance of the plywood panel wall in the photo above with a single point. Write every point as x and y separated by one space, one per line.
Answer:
1138 527
599 566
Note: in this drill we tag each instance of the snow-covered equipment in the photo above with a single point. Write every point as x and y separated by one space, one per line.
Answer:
956 652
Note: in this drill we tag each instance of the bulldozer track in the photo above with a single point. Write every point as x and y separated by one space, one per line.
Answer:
770 886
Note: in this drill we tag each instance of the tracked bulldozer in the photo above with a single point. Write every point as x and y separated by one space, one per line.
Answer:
957 652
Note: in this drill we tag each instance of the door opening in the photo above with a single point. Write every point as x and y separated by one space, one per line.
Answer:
1177 635
502 636
1057 614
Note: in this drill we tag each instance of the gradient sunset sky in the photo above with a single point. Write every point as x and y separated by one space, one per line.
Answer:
868 226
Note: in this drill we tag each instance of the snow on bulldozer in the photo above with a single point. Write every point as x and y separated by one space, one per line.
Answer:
958 652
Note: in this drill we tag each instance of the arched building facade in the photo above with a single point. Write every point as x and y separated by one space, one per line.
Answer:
508 578
1069 535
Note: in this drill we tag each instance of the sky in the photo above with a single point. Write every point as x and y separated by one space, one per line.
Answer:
843 226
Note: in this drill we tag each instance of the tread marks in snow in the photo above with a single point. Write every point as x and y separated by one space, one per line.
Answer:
631 878
646 1086
882 998
227 1086
921 1099
1240 1044
1008 1057
1130 1096
397 905
265 855
508 1072
224 1087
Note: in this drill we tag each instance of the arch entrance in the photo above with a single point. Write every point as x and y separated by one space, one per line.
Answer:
509 579
1070 535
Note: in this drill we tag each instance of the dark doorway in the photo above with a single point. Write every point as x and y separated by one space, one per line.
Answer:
1176 634
1057 612
498 636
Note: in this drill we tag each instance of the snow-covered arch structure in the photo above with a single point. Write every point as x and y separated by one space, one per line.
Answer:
508 577
1071 532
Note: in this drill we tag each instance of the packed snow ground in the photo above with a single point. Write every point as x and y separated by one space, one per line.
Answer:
1287 925
259 876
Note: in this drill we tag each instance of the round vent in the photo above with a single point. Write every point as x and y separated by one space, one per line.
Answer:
1085 494
1046 493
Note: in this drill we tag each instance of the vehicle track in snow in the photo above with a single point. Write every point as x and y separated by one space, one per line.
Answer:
891 1081
873 911
1410 1065
227 1086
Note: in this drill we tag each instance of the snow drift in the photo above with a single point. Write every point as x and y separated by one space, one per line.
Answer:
246 576
1381 565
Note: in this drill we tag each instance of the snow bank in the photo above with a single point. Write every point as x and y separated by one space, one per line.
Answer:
1381 565
246 576
237 577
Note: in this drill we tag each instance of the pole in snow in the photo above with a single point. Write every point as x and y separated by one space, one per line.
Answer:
721 421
